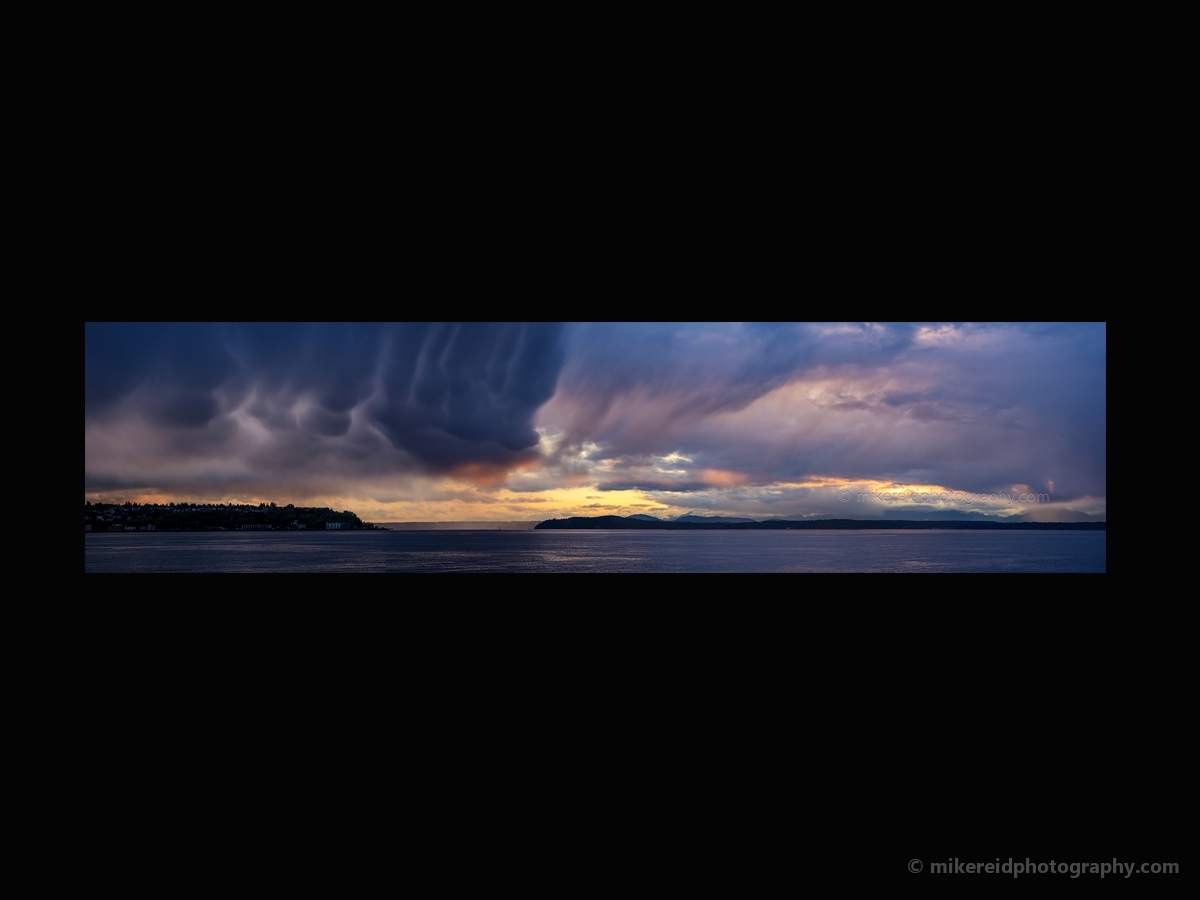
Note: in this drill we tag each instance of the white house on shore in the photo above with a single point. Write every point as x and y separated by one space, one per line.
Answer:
333 524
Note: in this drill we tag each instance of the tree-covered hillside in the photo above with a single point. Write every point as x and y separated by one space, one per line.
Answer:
214 517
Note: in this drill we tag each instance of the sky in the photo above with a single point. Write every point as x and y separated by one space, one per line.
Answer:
526 422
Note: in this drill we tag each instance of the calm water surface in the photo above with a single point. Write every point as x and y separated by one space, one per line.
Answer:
600 551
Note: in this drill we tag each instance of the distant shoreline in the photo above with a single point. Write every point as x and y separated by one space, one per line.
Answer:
621 523
459 526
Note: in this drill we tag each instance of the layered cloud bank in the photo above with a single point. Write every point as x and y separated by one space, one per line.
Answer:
442 422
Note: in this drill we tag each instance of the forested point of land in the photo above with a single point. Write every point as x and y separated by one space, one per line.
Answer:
215 517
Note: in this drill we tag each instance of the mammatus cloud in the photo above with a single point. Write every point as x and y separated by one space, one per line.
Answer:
191 405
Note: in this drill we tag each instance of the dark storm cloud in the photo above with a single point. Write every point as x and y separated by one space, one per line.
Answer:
351 398
461 394
182 364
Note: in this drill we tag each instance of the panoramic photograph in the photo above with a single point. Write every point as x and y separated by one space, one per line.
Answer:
595 447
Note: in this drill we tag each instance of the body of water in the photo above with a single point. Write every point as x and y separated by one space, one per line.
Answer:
599 551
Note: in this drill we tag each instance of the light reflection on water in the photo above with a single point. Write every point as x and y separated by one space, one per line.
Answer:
600 551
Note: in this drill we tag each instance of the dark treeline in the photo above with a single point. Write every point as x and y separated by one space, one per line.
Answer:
611 522
213 517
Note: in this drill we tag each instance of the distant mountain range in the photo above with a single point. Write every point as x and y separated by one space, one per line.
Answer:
729 523
692 517
908 515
